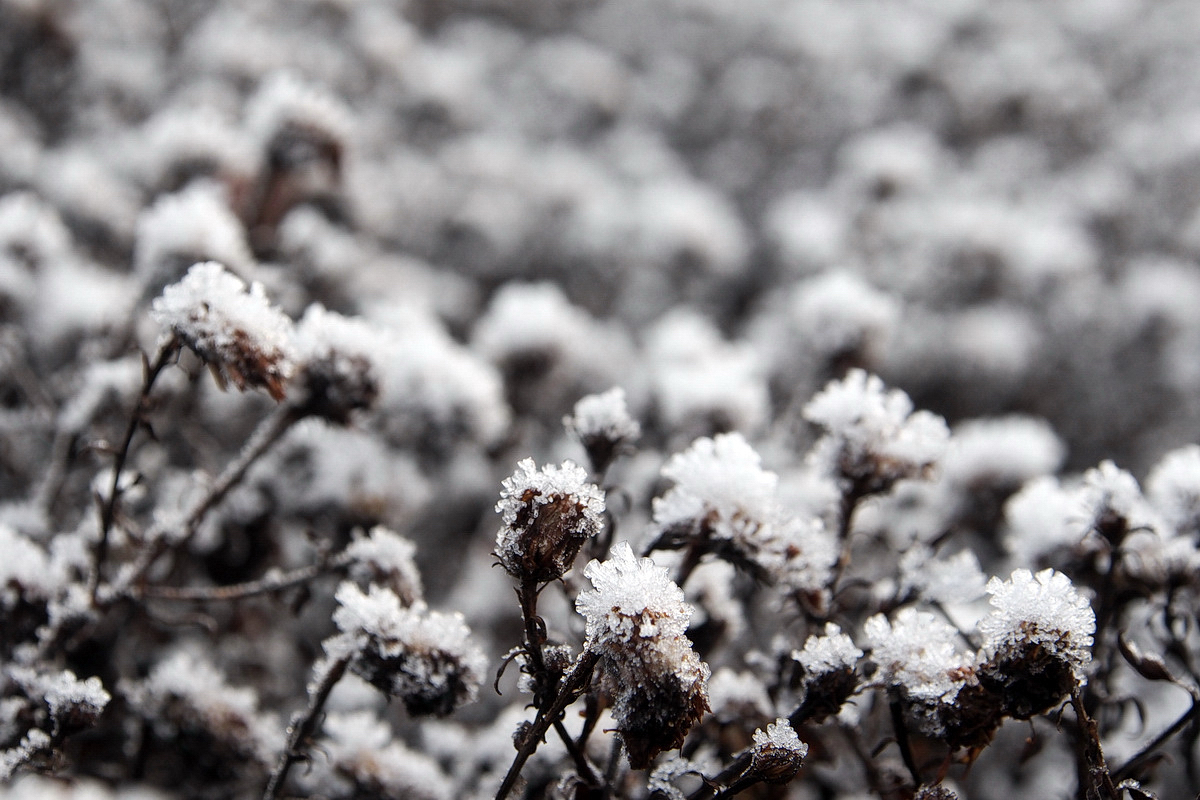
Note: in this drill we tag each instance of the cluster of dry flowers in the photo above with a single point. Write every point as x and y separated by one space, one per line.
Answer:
449 399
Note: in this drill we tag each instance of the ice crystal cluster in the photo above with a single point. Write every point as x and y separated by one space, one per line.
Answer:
852 347
636 621
234 329
425 658
547 515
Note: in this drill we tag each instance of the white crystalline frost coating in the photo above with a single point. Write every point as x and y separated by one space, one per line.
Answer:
917 651
1010 449
1107 490
780 736
323 334
632 598
62 691
839 310
730 692
24 563
1042 609
956 579
213 312
391 629
864 419
1173 488
1040 518
567 480
721 475
829 652
196 222
389 552
604 415
858 407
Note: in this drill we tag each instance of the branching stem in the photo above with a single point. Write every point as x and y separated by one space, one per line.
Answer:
574 683
303 726
108 509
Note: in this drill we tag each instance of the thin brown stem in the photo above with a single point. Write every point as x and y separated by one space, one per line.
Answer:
304 726
108 509
1091 755
849 503
582 767
574 683
901 731
268 584
269 431
1151 746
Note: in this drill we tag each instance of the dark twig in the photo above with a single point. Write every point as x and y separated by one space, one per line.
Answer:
1100 782
902 741
304 726
269 431
268 584
574 683
108 509
1158 741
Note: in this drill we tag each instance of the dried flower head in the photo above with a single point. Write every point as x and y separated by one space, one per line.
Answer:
384 557
237 332
778 753
191 706
636 619
425 658
1037 640
830 664
604 427
873 437
919 660
719 484
547 516
358 757
1173 487
1110 504
336 373
72 704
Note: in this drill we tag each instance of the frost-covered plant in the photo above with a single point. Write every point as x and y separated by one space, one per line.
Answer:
424 658
636 621
237 332
873 438
547 516
1036 641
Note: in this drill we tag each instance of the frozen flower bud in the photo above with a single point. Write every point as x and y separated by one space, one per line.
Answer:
1112 504
603 426
425 658
1041 519
636 620
918 658
736 696
956 579
336 374
1173 488
720 486
384 557
188 704
73 705
182 229
237 332
830 678
1037 640
873 438
358 757
778 753
547 516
